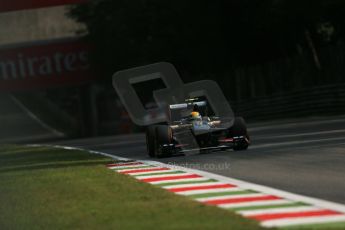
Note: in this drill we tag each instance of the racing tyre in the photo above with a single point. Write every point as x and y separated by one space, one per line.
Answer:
163 136
238 129
150 140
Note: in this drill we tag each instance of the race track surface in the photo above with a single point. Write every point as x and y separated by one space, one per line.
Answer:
306 157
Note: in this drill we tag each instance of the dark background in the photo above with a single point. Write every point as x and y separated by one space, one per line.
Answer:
216 39
273 59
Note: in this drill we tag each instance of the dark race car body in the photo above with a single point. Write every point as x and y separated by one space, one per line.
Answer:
184 134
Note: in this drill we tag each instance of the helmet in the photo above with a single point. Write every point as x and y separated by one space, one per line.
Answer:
195 115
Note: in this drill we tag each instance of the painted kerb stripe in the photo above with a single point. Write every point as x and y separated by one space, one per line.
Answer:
329 213
270 210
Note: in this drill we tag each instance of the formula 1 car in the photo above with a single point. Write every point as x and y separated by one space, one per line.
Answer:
190 130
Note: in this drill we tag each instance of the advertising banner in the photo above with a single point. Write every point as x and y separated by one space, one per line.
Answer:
44 64
11 5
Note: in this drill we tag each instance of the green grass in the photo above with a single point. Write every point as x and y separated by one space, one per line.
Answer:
45 188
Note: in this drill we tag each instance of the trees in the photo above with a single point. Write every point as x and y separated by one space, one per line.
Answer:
201 36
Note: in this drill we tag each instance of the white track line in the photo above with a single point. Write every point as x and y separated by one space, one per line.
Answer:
304 220
288 143
301 134
192 185
144 167
179 180
214 190
270 126
126 167
163 175
167 172
280 210
255 203
231 196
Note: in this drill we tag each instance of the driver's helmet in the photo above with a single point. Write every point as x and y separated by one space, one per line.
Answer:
195 115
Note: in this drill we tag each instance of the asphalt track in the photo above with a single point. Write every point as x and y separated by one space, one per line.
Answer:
306 156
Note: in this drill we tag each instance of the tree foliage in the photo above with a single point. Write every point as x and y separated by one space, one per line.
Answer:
201 36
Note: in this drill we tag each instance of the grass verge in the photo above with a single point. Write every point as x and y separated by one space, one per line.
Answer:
48 188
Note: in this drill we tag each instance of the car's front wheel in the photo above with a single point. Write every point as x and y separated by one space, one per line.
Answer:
163 137
150 140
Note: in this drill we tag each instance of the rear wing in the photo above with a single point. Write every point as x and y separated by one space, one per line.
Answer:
183 110
185 105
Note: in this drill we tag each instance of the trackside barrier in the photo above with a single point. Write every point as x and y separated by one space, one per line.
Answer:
325 100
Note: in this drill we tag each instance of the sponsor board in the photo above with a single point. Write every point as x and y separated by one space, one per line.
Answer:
44 64
13 5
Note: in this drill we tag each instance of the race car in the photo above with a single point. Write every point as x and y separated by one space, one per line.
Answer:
190 130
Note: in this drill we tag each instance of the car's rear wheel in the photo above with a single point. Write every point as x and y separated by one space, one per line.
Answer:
163 136
150 140
239 129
